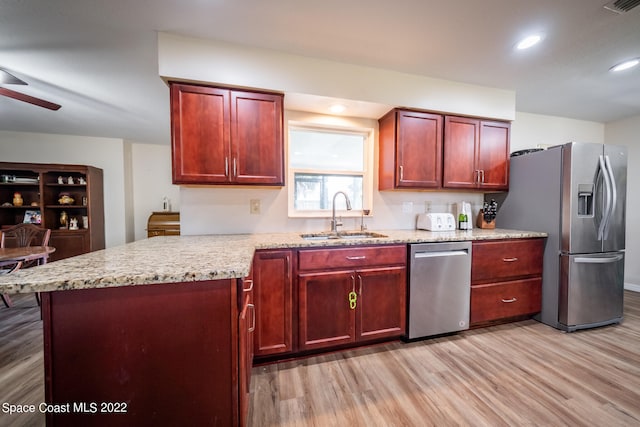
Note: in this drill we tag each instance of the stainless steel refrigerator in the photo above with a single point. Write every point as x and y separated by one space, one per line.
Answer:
576 193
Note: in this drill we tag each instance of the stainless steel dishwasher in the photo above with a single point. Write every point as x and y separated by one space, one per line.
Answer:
439 288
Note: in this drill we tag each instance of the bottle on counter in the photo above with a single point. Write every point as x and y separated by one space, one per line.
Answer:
462 221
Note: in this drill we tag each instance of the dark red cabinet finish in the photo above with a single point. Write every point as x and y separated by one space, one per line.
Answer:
476 154
165 354
506 279
226 136
351 295
410 150
273 293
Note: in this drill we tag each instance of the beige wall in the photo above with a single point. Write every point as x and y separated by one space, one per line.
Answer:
214 61
627 132
104 153
151 181
530 130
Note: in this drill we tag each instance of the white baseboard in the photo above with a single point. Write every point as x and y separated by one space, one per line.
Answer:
632 287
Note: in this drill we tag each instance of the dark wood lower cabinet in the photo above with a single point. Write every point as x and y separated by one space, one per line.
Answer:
69 243
495 301
144 355
382 303
325 318
338 307
328 318
246 326
273 293
506 280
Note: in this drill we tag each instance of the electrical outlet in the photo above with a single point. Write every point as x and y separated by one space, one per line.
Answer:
254 206
407 207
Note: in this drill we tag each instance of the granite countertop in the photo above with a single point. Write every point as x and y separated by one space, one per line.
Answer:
173 259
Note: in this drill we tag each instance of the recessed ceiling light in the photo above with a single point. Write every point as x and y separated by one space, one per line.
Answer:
529 41
630 63
337 108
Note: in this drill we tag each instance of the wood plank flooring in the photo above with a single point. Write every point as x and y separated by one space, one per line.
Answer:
524 374
21 359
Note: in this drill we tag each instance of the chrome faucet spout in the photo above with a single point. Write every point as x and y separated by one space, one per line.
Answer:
335 224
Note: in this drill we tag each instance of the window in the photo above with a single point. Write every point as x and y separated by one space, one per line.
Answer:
324 160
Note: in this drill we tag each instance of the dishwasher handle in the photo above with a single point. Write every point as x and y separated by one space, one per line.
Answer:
435 254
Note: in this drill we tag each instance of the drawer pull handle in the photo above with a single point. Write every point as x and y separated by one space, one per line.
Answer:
354 258
514 259
509 300
253 317
250 288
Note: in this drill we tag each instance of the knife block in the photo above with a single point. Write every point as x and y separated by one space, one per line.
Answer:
481 223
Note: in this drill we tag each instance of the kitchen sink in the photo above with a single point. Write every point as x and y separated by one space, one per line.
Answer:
343 235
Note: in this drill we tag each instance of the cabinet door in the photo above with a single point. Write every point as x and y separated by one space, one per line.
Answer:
324 315
257 141
493 155
381 303
68 243
461 135
246 325
419 150
273 302
200 118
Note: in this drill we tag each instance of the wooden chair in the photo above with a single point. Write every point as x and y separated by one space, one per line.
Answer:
24 235
7 267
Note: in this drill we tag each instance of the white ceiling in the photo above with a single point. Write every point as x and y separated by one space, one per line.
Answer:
98 58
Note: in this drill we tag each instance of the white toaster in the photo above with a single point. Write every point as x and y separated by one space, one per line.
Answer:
436 222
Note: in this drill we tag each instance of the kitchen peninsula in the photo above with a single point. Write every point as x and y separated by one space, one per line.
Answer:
154 331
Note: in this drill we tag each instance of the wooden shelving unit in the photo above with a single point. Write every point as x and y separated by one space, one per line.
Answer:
40 187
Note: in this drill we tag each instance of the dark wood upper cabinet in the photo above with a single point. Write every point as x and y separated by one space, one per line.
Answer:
476 154
410 150
224 136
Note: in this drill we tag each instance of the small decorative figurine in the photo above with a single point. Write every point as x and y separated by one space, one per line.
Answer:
70 180
60 180
64 219
73 224
81 180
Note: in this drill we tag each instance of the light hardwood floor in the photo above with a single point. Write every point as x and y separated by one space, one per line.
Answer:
524 374
520 374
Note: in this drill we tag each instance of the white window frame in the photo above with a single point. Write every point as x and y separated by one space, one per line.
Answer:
367 173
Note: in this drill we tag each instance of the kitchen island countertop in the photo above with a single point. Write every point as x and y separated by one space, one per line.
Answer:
173 259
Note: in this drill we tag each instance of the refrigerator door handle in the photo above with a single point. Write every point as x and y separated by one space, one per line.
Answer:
599 260
607 185
614 196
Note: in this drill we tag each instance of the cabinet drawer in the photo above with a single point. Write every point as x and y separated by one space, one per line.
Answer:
500 259
507 299
352 257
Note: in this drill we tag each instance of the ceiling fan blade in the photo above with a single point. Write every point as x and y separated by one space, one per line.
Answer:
30 99
7 78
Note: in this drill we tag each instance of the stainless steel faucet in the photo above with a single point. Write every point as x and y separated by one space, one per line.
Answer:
335 224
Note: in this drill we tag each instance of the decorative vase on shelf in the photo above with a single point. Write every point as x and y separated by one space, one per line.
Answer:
17 199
